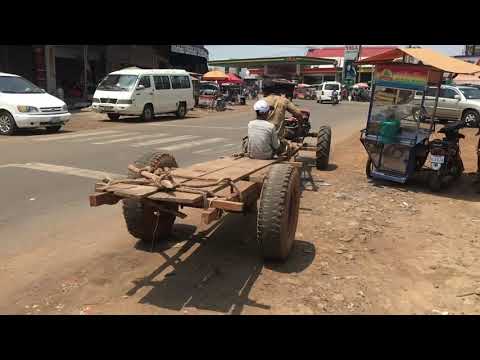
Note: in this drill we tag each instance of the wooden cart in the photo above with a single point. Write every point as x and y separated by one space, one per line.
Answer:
230 184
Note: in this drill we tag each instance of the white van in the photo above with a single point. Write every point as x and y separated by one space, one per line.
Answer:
144 92
25 105
324 93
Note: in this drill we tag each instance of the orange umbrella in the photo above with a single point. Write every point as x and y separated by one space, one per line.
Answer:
215 76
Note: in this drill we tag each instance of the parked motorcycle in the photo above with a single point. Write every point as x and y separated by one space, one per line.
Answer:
445 156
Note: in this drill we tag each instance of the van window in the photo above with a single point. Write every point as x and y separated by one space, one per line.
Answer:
161 82
431 91
331 87
118 82
180 82
145 81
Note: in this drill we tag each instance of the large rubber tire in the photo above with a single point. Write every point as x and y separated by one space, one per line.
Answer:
471 118
181 111
53 129
140 218
8 126
324 140
278 212
147 113
113 117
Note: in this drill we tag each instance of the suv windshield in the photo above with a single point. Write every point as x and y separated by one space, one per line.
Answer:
331 87
470 93
18 85
118 82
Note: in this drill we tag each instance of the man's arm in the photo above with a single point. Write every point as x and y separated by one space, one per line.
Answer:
295 111
275 142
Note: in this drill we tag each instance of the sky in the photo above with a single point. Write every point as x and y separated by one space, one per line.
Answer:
219 52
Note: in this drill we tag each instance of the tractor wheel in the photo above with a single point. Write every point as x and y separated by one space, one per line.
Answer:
323 147
140 218
278 212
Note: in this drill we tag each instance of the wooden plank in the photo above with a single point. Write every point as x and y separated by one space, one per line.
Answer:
226 205
177 197
210 215
103 198
245 187
136 191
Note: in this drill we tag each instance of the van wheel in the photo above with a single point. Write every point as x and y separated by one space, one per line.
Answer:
113 117
471 118
181 111
53 129
7 123
147 114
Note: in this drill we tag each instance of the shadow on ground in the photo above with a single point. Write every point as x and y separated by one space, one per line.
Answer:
463 188
219 274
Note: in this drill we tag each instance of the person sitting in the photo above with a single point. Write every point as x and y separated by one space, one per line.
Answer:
263 141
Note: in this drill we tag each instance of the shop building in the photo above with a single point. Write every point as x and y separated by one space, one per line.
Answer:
318 74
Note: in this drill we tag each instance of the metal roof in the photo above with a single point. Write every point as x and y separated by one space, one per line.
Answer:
428 57
245 63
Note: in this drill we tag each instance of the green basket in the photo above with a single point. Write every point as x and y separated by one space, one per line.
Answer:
389 130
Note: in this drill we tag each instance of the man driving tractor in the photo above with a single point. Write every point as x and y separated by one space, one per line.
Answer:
279 105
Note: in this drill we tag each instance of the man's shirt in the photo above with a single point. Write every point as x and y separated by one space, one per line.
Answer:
262 139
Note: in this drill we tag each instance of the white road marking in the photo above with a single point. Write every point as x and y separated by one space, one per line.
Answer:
162 141
191 144
67 170
203 151
104 137
72 136
203 127
128 139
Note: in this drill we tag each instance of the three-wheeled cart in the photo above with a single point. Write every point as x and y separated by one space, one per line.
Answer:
402 112
156 190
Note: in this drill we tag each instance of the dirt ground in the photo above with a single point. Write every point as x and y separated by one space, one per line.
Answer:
361 248
86 119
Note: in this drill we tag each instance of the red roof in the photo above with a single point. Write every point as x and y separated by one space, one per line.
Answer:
340 51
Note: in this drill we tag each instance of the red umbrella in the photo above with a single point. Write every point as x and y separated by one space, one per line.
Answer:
232 78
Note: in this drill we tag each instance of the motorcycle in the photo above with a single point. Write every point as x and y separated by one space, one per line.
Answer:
335 99
445 156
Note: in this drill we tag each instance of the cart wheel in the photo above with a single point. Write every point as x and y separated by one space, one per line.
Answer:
369 168
435 182
323 147
141 220
278 212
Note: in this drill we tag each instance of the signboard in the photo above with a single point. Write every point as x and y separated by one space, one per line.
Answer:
351 52
351 55
407 76
189 50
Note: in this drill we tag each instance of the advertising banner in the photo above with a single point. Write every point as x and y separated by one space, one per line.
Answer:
352 52
405 76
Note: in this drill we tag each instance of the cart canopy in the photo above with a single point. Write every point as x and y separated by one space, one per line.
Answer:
427 57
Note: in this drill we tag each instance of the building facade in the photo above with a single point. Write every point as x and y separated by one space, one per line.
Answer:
321 73
71 67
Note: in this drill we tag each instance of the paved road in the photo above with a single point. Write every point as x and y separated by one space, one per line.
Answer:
45 179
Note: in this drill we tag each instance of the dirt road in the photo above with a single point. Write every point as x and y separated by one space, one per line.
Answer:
361 248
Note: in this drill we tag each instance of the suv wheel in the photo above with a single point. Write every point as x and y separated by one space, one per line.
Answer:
471 118
7 123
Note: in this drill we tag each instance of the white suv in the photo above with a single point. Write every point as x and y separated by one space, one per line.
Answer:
25 105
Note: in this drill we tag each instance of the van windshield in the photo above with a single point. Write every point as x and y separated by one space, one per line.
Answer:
331 87
18 85
118 83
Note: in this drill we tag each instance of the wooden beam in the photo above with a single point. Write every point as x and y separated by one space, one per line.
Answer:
226 205
210 215
103 198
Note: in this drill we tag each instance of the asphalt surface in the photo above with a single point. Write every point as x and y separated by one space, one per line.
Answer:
46 178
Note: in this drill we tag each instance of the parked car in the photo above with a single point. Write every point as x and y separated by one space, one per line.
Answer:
307 93
25 105
455 103
144 92
324 93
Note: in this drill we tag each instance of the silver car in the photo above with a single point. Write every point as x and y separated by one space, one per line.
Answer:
455 103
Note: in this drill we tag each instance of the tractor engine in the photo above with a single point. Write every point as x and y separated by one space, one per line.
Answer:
296 130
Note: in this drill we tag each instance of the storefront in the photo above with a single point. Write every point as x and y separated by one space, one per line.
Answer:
192 58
